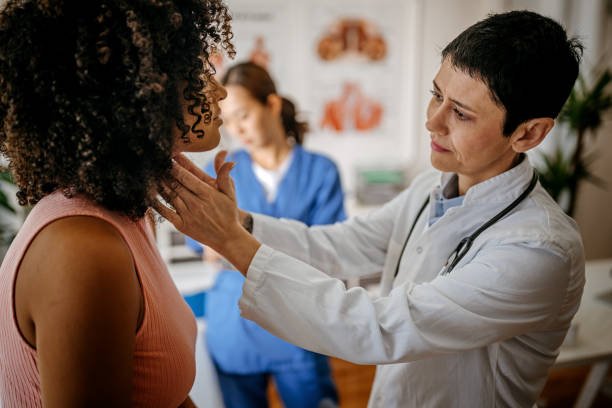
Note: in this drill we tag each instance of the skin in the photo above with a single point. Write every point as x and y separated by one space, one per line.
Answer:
205 209
216 93
77 291
465 126
258 127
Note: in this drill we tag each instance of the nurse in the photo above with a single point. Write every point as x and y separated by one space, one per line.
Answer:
480 329
275 176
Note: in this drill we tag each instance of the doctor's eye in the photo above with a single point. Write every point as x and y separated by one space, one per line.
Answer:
436 95
460 115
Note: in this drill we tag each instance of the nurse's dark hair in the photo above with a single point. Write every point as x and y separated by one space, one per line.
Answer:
90 92
526 60
260 85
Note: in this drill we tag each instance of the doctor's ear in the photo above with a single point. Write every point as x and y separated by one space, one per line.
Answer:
275 103
529 134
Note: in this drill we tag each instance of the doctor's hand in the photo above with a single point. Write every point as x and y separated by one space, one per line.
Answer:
205 209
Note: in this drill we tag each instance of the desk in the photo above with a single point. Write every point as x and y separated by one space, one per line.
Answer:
593 341
192 278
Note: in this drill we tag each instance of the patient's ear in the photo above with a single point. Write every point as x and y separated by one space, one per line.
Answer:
529 134
275 103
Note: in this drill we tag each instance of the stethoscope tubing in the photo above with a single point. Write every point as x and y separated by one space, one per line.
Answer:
466 243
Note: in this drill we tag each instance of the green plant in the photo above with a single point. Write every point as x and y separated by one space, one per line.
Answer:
557 171
6 232
6 176
583 113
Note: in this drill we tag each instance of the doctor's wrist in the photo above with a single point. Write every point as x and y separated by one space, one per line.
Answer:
246 219
239 248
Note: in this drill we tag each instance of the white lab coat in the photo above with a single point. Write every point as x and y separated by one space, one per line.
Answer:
483 336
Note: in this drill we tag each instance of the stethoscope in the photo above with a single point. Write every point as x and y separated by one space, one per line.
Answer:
466 243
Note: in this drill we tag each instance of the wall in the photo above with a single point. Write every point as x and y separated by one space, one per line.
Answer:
593 208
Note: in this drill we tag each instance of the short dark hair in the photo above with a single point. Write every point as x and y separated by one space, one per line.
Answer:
526 60
89 93
260 85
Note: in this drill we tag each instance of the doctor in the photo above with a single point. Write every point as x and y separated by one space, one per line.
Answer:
481 270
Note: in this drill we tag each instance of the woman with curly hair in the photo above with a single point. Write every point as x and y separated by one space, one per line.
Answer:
95 98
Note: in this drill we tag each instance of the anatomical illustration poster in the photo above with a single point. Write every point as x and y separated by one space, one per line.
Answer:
354 68
355 54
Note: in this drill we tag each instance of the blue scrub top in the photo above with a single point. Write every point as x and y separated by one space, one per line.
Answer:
310 192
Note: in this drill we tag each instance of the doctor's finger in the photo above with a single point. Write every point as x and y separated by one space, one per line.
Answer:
168 214
188 165
173 193
219 160
190 182
189 205
226 184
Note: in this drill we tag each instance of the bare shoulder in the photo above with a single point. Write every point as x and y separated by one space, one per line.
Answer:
75 265
73 250
77 292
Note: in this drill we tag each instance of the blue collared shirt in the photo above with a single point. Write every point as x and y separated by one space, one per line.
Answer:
446 198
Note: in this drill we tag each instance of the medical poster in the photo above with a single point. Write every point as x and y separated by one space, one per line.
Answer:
354 63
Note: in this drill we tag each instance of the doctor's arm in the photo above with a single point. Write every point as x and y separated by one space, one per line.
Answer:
353 248
504 292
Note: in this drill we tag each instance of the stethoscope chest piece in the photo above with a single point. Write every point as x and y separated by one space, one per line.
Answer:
464 246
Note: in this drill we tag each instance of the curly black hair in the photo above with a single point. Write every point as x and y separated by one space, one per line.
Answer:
89 92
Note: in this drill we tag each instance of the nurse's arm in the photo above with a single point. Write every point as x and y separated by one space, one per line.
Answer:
504 292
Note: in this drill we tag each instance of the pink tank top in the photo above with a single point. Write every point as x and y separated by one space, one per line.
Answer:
164 357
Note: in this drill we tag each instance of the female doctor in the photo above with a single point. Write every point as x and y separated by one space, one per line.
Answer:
275 176
482 272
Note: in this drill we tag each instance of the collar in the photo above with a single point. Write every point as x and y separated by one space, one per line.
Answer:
501 188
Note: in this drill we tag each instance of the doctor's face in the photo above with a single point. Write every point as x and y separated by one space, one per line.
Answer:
465 126
247 118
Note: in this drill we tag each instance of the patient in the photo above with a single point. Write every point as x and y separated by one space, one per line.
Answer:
94 100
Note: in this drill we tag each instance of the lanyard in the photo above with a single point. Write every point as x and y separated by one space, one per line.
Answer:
466 243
